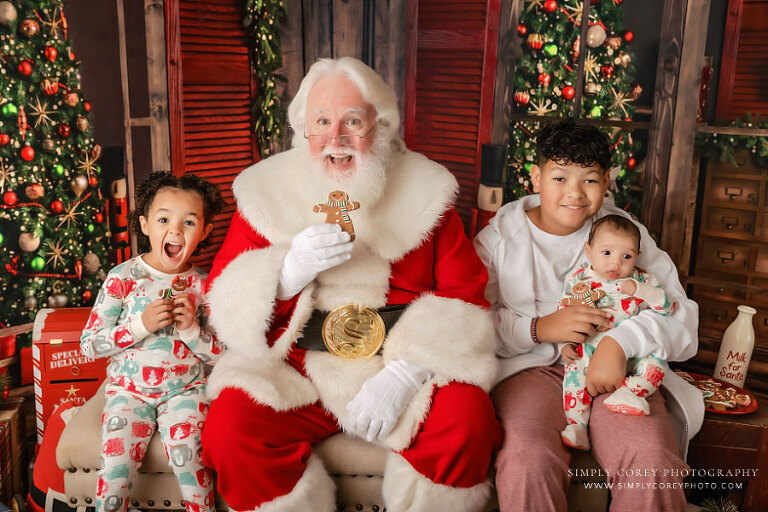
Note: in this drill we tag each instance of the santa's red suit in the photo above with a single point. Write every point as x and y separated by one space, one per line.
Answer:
274 400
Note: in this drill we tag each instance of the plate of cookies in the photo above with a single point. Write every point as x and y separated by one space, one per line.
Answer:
721 397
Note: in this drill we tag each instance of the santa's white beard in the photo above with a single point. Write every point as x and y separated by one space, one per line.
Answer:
364 182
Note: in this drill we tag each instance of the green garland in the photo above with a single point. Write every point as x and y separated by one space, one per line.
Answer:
263 18
724 146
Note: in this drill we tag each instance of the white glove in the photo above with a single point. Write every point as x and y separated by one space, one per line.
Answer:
317 248
382 399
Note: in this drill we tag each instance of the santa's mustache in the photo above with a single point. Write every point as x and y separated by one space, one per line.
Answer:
342 150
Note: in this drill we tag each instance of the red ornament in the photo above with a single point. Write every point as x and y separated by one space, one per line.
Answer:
87 295
57 206
550 6
522 30
544 79
10 198
535 41
93 182
631 163
569 92
64 130
87 106
4 139
27 153
25 68
51 53
71 55
607 71
628 36
79 268
522 98
99 218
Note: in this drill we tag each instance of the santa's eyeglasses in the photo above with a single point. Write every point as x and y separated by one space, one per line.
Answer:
343 139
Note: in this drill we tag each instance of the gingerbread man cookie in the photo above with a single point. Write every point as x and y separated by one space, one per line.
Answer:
583 294
337 209
178 285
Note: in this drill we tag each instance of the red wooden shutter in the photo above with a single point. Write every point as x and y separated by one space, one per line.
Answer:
210 92
744 69
449 76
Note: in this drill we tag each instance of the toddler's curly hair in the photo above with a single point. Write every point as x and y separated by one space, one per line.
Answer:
151 185
567 142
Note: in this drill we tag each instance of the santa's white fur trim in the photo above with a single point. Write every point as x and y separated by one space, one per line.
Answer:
405 490
450 337
335 392
315 490
364 279
418 191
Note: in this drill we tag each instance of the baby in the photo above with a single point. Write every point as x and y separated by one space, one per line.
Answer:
150 320
611 282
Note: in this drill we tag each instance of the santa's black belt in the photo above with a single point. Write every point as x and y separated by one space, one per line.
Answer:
349 331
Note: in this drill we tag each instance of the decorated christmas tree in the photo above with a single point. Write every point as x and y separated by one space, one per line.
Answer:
545 81
52 215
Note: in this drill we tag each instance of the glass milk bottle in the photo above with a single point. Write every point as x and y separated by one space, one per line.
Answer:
736 348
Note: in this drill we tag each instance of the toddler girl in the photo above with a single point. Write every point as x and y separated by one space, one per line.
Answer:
611 282
150 320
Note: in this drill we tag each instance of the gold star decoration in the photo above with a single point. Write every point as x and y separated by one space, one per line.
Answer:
620 101
533 4
574 12
541 107
41 111
591 67
87 163
70 216
54 23
56 254
72 391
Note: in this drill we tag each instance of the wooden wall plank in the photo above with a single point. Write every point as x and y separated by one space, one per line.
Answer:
389 51
292 44
728 59
347 28
684 131
157 85
316 16
662 120
173 64
508 52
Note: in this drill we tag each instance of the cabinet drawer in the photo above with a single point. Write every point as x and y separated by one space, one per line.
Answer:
727 221
66 362
716 315
761 326
732 190
724 256
720 290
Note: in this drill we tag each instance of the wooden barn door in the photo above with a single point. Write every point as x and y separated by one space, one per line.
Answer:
210 92
449 81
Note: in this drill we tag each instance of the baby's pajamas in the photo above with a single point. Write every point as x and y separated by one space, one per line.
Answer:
154 381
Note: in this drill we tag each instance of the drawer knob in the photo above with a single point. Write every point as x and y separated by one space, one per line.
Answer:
718 317
75 370
733 192
720 290
725 256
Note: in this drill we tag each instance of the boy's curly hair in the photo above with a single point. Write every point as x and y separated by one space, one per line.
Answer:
147 190
568 141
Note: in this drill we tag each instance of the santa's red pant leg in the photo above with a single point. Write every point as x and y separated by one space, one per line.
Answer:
260 454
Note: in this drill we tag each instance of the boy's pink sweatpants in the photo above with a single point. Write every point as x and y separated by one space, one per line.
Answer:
532 465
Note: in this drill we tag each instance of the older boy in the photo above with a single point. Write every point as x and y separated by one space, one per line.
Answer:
528 248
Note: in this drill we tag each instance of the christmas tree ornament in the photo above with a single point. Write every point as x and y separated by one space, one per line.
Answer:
58 300
575 47
607 71
78 184
93 182
30 302
87 106
522 30
27 153
550 49
82 123
631 163
613 42
550 6
71 55
8 13
629 36
9 109
4 139
91 263
21 121
30 27
99 218
47 144
79 269
528 166
34 191
71 99
90 228
57 206
535 41
37 264
622 59
58 169
592 88
25 68
2 239
10 198
51 53
86 295
544 79
595 36
595 112
522 98
29 242
64 130
637 90
569 92
50 86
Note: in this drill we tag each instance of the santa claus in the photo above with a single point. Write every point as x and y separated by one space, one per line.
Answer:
295 301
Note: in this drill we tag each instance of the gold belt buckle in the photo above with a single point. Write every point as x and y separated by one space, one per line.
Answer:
353 330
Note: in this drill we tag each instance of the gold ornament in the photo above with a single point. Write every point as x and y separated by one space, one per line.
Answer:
34 191
592 88
71 99
78 184
30 27
8 13
30 302
58 300
613 42
41 111
353 331
55 254
50 86
595 36
29 242
48 144
82 123
91 263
